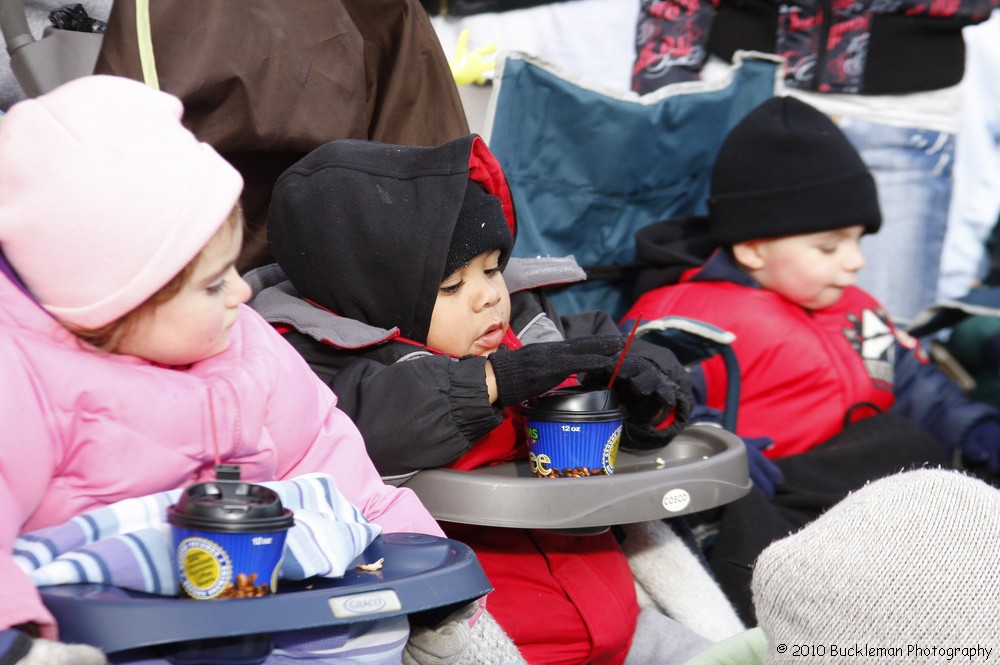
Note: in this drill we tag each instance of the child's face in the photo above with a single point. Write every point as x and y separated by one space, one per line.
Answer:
811 270
472 310
194 324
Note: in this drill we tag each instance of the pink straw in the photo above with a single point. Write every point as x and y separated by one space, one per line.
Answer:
628 343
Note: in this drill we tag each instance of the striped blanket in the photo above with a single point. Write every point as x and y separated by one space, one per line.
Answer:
129 544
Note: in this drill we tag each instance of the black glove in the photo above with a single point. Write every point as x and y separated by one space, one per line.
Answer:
652 384
537 368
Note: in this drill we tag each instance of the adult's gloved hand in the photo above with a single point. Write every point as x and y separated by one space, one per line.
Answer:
981 447
764 473
16 647
441 644
535 369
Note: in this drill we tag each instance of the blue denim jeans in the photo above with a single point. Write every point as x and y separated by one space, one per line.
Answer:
913 171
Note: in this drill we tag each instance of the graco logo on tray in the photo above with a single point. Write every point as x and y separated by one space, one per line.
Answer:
362 604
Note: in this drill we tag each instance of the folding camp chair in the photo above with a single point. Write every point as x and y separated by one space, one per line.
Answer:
589 166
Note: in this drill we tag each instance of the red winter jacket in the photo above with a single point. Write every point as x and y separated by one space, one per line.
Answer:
803 373
580 588
565 599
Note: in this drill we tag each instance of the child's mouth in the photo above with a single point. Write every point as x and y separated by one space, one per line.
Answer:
491 338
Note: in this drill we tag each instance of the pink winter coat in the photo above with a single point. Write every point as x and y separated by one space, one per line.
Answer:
83 429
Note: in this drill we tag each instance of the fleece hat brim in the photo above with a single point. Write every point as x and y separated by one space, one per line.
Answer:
105 196
787 169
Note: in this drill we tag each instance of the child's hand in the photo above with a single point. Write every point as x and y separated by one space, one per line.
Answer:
538 368
648 395
981 447
655 389
468 67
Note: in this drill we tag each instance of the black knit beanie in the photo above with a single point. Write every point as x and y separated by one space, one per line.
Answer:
481 227
787 169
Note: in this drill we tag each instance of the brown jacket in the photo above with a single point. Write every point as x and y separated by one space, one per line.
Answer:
265 84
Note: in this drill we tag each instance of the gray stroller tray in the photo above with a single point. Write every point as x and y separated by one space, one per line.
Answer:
701 468
419 573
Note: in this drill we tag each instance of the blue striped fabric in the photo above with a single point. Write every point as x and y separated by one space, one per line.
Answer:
128 544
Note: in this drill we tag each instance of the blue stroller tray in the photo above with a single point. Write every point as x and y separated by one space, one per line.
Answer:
419 573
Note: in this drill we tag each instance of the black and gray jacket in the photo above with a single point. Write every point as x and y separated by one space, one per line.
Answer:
394 388
362 232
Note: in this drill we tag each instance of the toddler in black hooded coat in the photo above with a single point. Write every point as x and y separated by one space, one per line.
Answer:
394 282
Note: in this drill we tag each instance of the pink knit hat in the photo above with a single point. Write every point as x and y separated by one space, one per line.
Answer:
105 196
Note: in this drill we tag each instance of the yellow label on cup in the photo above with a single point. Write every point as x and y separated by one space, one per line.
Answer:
206 566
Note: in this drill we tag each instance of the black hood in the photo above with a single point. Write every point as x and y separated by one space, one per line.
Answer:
666 249
363 228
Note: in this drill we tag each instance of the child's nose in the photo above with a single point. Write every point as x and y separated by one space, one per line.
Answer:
855 259
239 293
488 294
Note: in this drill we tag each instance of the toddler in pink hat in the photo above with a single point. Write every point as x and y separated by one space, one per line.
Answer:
103 203
131 364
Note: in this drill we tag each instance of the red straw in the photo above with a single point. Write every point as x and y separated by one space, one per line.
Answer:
628 343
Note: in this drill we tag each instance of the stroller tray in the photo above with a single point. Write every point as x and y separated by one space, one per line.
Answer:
701 468
418 573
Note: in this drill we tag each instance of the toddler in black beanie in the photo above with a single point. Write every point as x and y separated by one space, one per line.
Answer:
786 180
790 200
820 360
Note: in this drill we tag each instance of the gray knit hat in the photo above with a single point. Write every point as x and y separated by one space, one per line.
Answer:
905 566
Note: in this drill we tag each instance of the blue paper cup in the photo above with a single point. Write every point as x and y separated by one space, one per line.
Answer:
573 433
229 539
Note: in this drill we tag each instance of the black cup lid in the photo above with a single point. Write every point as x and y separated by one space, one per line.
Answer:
230 506
576 400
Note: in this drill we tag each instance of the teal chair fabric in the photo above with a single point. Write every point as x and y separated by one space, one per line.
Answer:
588 166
